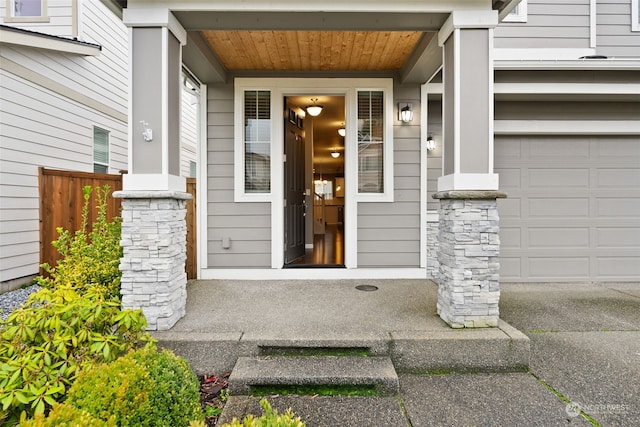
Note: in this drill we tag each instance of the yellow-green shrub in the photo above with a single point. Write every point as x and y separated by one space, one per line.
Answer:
142 388
270 418
66 415
44 344
89 258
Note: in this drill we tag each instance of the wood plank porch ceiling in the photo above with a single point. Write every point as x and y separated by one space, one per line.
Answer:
312 50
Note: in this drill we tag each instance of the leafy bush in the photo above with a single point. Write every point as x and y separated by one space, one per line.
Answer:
44 344
142 388
68 416
270 418
89 258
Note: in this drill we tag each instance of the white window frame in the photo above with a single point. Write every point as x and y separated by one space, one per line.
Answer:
518 14
10 17
635 12
94 149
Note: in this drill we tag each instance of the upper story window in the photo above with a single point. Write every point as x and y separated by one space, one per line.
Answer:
100 150
635 15
518 14
27 9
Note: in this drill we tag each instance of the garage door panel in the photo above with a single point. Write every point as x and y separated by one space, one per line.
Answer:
617 178
558 238
621 149
510 179
558 208
510 237
618 208
617 237
546 267
618 268
510 268
555 149
549 178
509 208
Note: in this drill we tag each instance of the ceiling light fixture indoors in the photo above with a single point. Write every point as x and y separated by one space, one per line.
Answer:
335 154
342 131
315 109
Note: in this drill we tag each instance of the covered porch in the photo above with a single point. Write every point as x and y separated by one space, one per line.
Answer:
450 42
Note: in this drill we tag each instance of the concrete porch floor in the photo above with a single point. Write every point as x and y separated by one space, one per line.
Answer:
228 319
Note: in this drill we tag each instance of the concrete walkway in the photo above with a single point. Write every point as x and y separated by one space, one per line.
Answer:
584 341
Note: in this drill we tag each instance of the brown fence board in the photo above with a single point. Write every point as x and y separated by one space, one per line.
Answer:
192 251
61 201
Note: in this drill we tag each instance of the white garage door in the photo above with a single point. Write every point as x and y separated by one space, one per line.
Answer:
573 208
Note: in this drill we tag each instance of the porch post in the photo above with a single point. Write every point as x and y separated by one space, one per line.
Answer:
468 290
154 195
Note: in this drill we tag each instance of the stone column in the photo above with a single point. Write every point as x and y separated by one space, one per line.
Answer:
469 288
468 242
154 195
153 264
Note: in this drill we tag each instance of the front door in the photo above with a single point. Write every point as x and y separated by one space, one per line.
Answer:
294 174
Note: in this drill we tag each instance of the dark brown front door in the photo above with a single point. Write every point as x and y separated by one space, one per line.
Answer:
294 191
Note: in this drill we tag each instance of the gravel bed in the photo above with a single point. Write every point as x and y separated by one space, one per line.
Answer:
10 301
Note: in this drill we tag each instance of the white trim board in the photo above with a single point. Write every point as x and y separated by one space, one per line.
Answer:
37 41
554 88
313 273
567 127
542 54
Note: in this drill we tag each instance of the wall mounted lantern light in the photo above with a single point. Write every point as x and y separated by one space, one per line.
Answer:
315 109
405 112
147 132
431 143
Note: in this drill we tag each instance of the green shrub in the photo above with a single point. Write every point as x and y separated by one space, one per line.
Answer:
142 388
89 258
270 418
67 416
44 344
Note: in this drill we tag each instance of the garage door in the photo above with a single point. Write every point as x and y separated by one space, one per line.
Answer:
573 208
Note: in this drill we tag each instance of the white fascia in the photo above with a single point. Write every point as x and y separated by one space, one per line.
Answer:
540 54
55 44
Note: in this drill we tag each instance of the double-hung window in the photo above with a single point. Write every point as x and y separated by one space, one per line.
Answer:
27 10
257 141
100 150
371 141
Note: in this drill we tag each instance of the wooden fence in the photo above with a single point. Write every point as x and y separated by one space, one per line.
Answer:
61 201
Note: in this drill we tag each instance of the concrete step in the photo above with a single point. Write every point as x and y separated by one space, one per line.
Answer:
375 372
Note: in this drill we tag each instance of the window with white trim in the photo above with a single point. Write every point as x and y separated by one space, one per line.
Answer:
27 8
257 141
100 150
193 169
518 13
371 140
635 15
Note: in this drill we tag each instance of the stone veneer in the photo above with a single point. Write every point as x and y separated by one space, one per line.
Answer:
433 266
469 247
154 234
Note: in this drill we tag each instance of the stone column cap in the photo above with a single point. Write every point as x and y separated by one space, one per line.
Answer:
177 195
471 194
